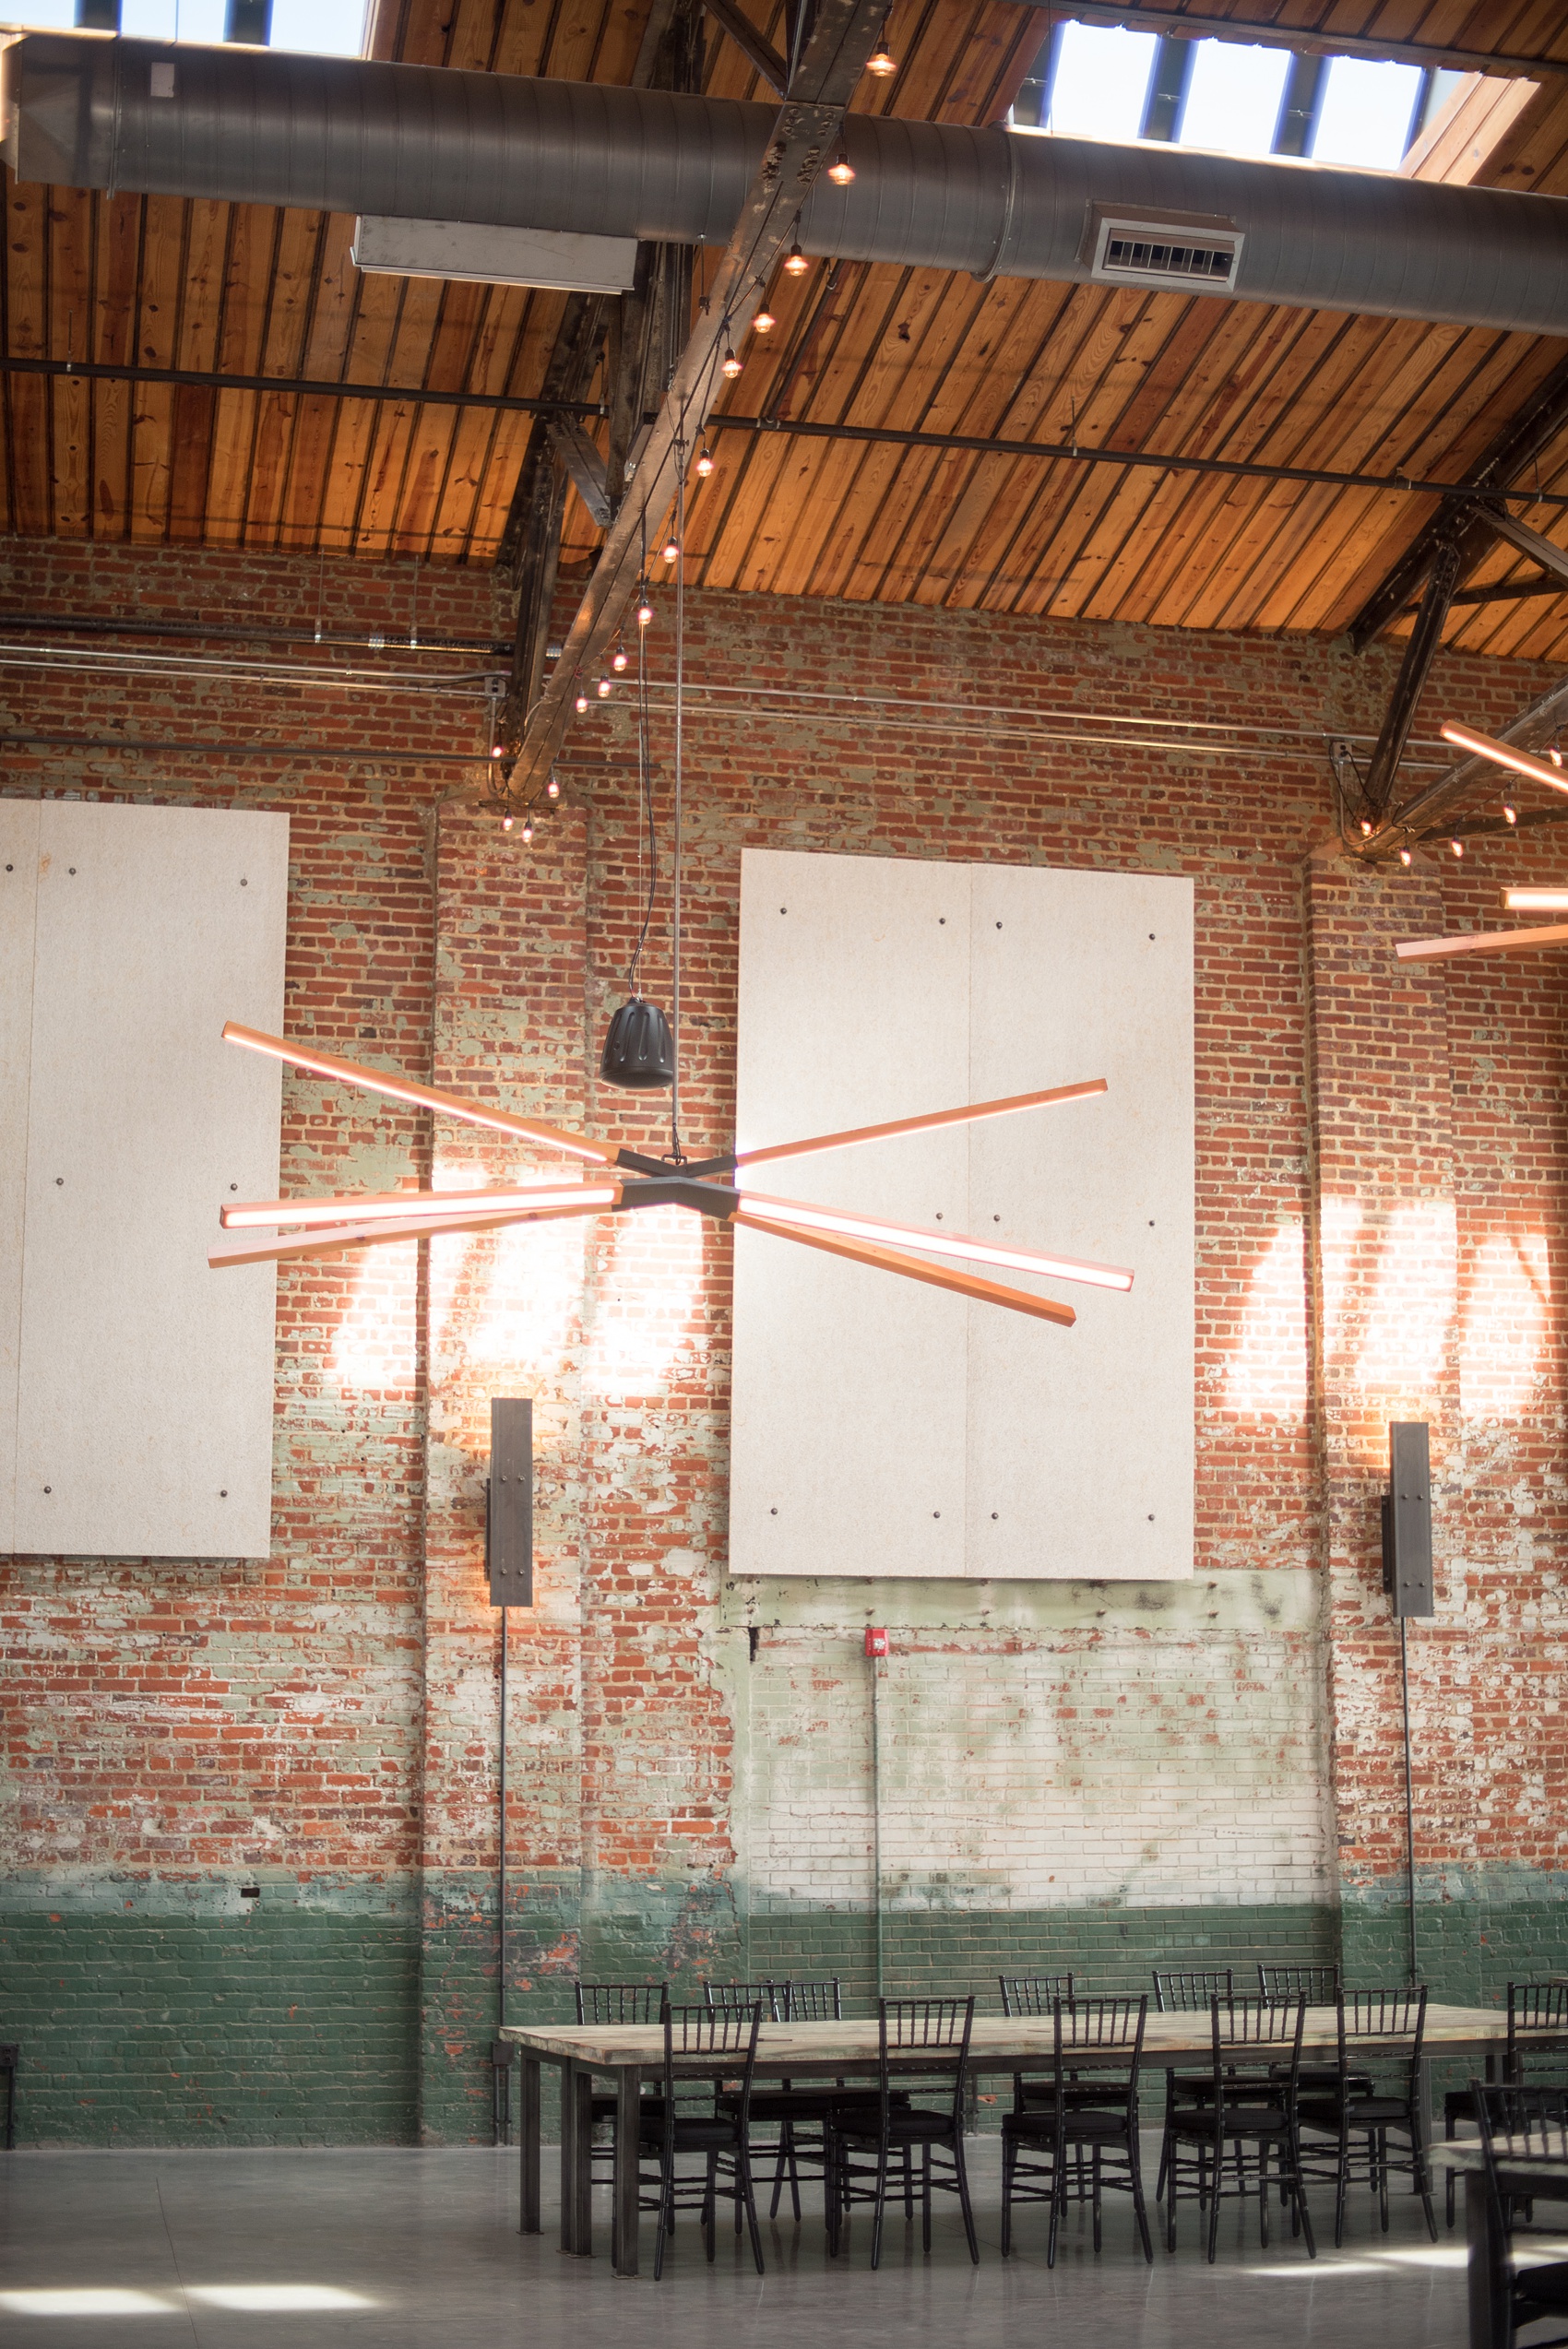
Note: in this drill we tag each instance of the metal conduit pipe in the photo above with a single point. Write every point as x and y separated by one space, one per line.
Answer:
347 134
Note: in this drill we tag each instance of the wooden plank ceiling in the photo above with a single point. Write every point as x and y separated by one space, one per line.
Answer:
159 283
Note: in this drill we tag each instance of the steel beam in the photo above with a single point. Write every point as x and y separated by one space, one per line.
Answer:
1518 444
1420 816
1421 649
1551 558
833 58
759 52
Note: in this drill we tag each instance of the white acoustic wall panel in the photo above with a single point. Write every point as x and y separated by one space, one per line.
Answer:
141 1420
885 1428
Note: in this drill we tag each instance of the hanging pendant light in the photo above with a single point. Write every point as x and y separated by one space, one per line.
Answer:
639 1052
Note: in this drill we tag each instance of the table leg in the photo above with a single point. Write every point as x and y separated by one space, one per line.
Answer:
576 2159
1488 2274
628 2090
528 2147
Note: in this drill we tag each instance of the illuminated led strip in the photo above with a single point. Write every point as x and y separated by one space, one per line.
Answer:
401 1206
271 1250
940 1243
1504 754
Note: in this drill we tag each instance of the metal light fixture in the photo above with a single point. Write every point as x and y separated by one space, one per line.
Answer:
705 462
882 64
730 365
841 171
639 1052
795 262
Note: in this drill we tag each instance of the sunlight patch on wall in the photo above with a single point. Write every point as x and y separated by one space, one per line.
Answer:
648 1288
1507 1293
1267 1376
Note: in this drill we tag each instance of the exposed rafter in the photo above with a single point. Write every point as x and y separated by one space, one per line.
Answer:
833 58
753 46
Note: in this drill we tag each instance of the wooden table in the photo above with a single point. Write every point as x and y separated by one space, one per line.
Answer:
1487 2275
631 2054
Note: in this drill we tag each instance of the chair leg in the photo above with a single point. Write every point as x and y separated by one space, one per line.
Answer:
1340 2184
1136 2171
710 2209
1058 2198
1262 2193
785 2132
961 2173
1009 2156
665 2189
925 2197
882 2152
1096 2209
1422 2168
908 2186
1214 2204
1299 2214
795 2172
1383 2179
744 2187
1172 2178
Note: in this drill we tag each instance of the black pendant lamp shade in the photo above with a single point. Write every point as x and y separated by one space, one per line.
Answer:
639 1052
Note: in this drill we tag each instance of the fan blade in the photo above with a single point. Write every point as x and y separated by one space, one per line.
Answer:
372 1206
425 1096
1504 754
799 1214
967 1115
265 1250
889 1259
1482 941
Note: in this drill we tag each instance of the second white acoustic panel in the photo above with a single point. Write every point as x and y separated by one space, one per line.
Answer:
885 1428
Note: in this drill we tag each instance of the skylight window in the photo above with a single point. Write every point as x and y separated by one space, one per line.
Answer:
1233 98
1230 97
310 27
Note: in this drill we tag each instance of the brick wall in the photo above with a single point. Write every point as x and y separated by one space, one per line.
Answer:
1078 1774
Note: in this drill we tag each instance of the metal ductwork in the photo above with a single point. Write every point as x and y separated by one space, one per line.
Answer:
347 134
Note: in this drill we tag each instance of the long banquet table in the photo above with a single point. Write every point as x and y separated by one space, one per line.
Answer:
631 2054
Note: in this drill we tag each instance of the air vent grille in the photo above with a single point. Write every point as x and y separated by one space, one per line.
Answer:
1176 254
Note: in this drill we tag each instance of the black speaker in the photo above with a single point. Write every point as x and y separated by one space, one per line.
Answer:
1406 1519
508 1515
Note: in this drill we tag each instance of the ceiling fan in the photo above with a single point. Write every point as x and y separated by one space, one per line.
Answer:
622 1179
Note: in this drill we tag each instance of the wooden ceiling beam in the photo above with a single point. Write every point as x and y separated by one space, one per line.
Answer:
842 36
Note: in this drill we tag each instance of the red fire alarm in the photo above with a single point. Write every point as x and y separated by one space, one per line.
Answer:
876 1640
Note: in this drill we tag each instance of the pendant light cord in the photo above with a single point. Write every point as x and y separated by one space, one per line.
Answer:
675 1150
645 812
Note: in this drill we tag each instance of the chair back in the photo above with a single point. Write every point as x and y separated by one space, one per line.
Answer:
1246 2030
744 1995
620 2002
1520 2123
1033 1993
722 2036
1381 2014
1183 1991
1107 2026
939 2027
811 2002
1319 1984
1541 2010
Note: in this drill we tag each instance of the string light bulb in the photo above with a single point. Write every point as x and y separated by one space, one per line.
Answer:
1555 755
582 703
604 689
1404 856
882 64
527 829
619 656
506 824
671 550
730 365
705 461
644 612
795 262
1366 827
1457 847
763 322
1510 815
553 790
841 171
495 750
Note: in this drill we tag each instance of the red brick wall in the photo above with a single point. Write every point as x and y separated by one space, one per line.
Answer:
349 1683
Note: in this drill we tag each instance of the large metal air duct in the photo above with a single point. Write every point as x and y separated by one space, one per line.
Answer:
344 135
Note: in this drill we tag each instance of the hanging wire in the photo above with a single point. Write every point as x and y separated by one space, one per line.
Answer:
646 833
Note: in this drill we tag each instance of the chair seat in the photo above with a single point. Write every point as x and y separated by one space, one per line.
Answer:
1545 2287
1241 2120
911 2127
1079 2123
1457 2105
1361 2112
713 2134
1325 2077
605 2108
812 2104
1079 2093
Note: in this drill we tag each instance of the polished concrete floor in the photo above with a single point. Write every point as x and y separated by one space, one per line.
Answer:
412 2250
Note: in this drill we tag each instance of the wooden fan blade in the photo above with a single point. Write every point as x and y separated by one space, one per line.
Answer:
1483 941
425 1096
891 1260
845 1224
968 1116
395 1206
1465 737
262 1250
